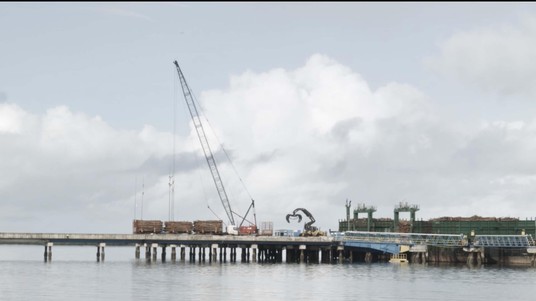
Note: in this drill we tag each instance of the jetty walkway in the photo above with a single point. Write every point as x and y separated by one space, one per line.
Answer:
325 249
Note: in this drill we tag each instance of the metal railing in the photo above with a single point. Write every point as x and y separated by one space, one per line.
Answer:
499 241
503 241
406 238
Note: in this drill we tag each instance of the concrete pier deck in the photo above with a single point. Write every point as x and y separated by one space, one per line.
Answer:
351 247
76 239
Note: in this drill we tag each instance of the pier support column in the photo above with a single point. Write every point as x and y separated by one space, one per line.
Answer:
164 252
183 253
470 258
368 257
302 255
155 251
48 251
340 250
254 255
192 253
147 251
100 251
327 256
474 255
214 252
173 252
291 254
243 253
137 253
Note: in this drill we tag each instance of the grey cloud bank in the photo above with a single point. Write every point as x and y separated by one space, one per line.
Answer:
328 135
334 107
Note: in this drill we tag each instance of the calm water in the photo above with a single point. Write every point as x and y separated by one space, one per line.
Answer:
73 274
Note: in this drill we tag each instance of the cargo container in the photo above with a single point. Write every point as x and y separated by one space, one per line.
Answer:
247 230
267 229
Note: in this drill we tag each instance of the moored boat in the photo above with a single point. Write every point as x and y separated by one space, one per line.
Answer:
399 258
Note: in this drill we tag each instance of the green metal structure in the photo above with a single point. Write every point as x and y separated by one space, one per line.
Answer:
469 226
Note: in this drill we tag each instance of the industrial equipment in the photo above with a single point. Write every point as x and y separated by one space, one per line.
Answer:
308 229
194 113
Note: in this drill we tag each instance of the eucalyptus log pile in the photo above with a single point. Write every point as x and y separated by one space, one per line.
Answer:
474 218
179 227
142 227
208 227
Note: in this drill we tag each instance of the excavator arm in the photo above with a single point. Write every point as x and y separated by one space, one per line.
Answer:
308 226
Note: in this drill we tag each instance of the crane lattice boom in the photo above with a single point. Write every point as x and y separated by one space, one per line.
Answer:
204 144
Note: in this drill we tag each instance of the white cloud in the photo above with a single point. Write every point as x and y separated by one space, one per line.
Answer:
125 13
11 119
66 163
500 59
310 137
321 135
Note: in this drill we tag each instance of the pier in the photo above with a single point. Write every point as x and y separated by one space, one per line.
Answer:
351 246
202 248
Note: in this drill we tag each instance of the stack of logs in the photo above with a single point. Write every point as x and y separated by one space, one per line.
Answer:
179 227
208 227
141 226
173 227
473 218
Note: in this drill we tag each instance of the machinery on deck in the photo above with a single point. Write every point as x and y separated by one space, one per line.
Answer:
194 113
308 229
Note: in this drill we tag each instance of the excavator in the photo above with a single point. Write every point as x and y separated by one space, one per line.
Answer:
308 229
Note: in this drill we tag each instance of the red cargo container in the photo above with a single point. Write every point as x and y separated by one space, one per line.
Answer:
247 230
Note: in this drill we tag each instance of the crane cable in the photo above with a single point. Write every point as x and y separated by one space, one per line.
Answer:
199 164
221 145
201 113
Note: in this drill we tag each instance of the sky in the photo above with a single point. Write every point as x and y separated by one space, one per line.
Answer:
430 104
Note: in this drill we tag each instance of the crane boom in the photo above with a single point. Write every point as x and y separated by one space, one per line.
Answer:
204 144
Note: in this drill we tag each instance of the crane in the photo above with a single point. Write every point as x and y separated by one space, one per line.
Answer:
194 113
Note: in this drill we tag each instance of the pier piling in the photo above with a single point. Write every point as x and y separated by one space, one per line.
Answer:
100 251
155 251
173 252
214 252
340 250
147 251
137 253
48 251
254 255
183 253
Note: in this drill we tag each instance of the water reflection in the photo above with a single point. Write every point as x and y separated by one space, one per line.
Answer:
74 274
